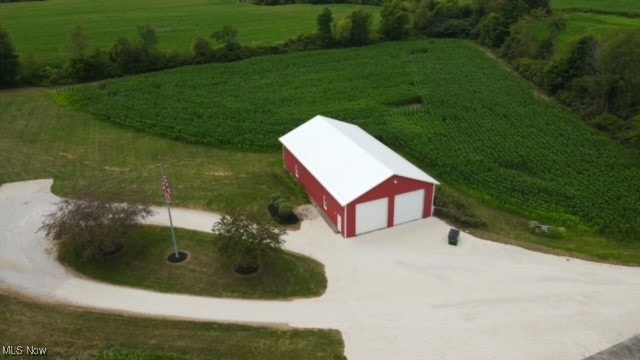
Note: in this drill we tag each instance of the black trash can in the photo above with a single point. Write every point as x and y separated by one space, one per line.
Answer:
453 236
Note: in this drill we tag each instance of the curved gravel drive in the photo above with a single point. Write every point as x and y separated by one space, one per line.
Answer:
402 293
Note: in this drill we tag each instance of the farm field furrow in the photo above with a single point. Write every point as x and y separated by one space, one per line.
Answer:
442 103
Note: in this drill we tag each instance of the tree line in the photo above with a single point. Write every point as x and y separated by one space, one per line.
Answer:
598 78
317 2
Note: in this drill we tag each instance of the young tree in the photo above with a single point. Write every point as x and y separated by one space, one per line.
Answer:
93 228
148 38
424 14
620 60
228 36
394 20
246 242
32 72
581 60
589 95
77 42
325 30
95 66
202 51
150 57
125 54
355 30
533 36
492 30
9 64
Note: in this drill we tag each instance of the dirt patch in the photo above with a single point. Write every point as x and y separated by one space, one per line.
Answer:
219 173
115 169
414 102
246 270
306 212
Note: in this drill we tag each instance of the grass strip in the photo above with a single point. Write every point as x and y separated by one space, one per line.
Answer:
143 264
79 334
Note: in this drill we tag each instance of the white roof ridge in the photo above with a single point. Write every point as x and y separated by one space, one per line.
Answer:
346 159
392 171
334 122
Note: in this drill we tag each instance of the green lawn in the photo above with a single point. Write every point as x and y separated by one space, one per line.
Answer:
508 228
579 24
39 139
443 103
621 6
41 27
143 264
71 333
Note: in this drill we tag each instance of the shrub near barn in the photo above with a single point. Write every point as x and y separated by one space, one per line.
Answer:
281 210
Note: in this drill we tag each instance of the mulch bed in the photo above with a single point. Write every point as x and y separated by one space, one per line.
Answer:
116 249
182 256
247 270
291 220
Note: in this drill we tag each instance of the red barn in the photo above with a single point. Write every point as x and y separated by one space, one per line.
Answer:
359 183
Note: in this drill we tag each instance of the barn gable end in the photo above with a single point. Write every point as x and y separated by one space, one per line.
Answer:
354 178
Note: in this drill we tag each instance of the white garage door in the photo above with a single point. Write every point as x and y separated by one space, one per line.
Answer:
371 215
408 206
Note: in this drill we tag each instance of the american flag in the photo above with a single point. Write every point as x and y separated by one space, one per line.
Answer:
166 189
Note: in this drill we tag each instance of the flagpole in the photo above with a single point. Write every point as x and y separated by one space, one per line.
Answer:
166 200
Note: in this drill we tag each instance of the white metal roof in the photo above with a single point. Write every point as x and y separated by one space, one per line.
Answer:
345 159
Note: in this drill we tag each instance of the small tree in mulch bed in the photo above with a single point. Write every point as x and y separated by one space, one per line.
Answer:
281 211
247 243
93 228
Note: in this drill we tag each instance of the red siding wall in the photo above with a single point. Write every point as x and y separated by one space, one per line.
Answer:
389 188
313 188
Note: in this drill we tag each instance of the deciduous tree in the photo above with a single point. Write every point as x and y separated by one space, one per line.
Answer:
93 228
78 42
202 51
620 60
228 36
325 27
492 30
394 20
245 242
356 29
9 64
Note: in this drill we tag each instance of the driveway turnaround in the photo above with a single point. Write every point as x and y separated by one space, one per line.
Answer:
400 293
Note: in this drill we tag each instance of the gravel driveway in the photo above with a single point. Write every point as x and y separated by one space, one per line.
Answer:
401 293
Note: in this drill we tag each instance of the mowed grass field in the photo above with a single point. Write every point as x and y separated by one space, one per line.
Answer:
626 6
442 103
39 139
41 28
72 333
598 25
